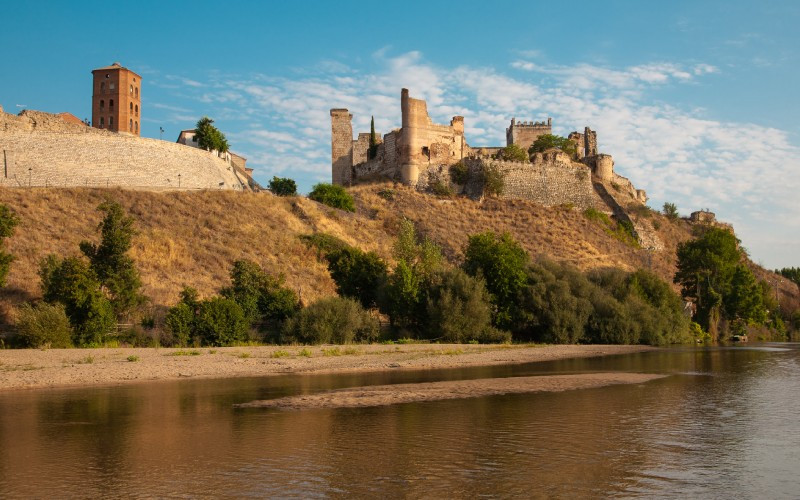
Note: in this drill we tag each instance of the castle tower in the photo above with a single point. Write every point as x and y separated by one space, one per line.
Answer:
524 134
116 99
341 147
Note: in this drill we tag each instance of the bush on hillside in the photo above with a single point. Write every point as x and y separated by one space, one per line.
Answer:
333 195
459 173
262 297
358 274
671 211
72 283
8 221
282 186
493 180
43 325
548 141
334 320
180 322
324 243
512 152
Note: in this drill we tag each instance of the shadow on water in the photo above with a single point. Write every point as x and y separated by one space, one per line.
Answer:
722 423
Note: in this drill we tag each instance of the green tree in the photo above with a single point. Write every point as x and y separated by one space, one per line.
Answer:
282 186
406 293
458 307
333 320
209 137
549 141
8 221
109 260
501 261
221 322
73 283
512 152
372 152
262 297
358 274
793 273
332 195
180 321
711 273
671 211
557 314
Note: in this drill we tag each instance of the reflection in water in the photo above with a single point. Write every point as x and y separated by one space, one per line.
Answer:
722 424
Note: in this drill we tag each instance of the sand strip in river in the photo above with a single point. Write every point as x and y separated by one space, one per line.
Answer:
34 368
357 397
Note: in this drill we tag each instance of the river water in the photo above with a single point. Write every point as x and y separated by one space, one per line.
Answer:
724 424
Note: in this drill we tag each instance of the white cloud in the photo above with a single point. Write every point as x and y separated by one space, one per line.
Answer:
743 171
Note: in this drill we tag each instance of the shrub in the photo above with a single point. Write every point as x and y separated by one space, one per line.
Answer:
180 322
387 194
43 325
8 221
358 274
282 186
73 284
262 297
671 211
459 173
493 180
332 195
512 152
440 188
221 322
458 307
334 320
558 314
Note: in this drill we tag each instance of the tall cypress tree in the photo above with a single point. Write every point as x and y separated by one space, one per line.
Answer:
373 140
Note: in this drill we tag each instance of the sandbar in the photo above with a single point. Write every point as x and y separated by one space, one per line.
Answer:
381 395
22 369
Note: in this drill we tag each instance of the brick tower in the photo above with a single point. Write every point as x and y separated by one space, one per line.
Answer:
116 99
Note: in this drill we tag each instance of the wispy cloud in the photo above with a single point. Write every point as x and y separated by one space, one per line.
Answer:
746 172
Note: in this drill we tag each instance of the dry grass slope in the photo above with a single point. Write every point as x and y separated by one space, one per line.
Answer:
192 238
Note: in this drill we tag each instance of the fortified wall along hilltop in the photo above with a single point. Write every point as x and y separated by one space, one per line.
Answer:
421 153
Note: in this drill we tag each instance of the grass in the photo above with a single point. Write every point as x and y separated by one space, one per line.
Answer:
182 352
243 355
279 354
133 358
85 361
304 353
334 351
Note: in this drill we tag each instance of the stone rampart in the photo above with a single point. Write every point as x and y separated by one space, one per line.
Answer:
40 149
546 182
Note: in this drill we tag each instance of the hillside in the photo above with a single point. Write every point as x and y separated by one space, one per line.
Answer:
192 238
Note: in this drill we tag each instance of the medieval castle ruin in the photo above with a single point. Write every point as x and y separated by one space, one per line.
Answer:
421 152
60 150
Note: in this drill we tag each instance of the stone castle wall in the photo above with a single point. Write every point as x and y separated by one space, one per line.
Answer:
549 181
41 149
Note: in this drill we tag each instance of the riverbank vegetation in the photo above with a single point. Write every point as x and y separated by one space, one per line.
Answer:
490 290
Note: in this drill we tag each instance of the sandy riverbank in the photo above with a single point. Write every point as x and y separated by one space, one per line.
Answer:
32 368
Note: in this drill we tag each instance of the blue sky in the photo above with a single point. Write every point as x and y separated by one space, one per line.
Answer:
696 101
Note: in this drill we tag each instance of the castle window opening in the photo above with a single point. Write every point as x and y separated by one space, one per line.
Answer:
426 152
137 92
130 126
111 86
137 110
136 126
111 104
102 122
110 122
102 86
102 104
131 89
131 107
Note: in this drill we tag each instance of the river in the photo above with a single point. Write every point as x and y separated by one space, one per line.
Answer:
722 425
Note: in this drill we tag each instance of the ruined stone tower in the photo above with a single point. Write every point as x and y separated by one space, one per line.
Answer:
116 99
524 134
341 146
